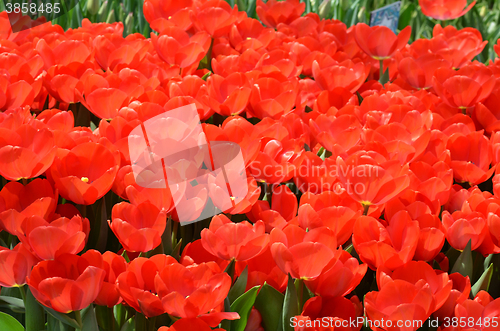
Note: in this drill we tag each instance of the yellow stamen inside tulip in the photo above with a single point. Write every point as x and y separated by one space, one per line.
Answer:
85 179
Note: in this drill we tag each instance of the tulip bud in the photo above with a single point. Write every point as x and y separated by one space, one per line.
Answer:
103 11
361 15
324 9
93 6
482 11
121 12
111 17
129 24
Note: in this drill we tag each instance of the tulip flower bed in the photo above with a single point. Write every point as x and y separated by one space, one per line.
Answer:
370 193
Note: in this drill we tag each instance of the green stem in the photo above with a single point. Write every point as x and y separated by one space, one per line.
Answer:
35 314
301 294
381 70
23 293
174 233
78 317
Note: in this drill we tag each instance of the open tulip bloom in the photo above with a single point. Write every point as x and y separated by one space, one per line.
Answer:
250 167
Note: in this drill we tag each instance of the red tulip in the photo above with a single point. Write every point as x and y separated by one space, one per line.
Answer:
487 113
420 71
272 97
137 284
114 52
391 246
346 74
273 12
170 11
379 42
215 17
329 314
337 134
18 202
189 324
26 151
263 269
413 272
229 95
458 294
273 163
66 284
458 47
314 174
464 88
432 181
341 276
303 254
283 209
113 265
340 219
462 227
250 34
138 228
50 240
445 9
15 265
399 142
481 314
432 234
176 47
369 182
234 241
397 301
471 156
85 173
195 290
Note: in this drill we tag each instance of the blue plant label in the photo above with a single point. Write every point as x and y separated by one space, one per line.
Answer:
386 16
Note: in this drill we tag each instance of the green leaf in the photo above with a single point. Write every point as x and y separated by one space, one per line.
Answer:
89 320
16 302
9 323
205 76
63 318
251 5
405 16
484 281
290 305
464 264
385 77
243 305
226 324
239 286
35 315
269 303
129 325
303 293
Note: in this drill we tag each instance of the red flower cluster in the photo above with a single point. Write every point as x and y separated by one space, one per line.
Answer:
347 178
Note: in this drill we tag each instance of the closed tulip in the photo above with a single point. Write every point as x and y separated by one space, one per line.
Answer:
445 9
66 284
138 228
